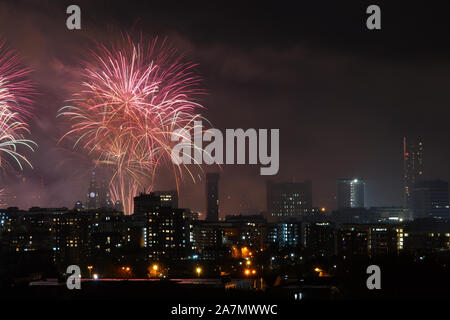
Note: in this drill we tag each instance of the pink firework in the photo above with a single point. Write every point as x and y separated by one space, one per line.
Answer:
132 97
15 107
15 87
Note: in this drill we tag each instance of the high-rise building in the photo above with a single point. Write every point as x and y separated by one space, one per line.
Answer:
166 233
431 199
212 196
412 168
350 193
93 197
98 195
287 201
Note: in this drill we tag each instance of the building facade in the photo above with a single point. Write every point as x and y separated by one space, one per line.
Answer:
413 168
287 201
431 199
350 193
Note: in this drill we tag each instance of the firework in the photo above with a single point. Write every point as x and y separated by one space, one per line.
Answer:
12 132
15 108
131 98
15 87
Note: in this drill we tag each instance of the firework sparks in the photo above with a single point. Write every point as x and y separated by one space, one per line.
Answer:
11 136
15 108
15 87
132 97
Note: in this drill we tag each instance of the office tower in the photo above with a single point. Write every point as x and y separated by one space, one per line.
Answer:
431 199
212 196
350 193
93 198
168 198
412 168
287 201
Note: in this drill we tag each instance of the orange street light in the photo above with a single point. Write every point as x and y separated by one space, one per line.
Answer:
90 271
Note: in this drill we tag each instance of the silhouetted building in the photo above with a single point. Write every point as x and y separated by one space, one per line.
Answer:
153 200
146 202
412 168
431 199
98 195
370 239
244 231
208 239
354 215
212 196
425 235
168 198
319 238
287 201
350 193
93 197
390 214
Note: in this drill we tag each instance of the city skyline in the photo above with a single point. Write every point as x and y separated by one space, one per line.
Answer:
98 193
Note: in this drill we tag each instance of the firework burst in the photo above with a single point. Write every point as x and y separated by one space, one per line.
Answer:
12 132
15 108
132 97
15 87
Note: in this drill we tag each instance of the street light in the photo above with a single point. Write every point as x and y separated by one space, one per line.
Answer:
155 269
90 271
199 271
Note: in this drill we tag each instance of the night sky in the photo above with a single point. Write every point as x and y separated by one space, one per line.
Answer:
342 96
